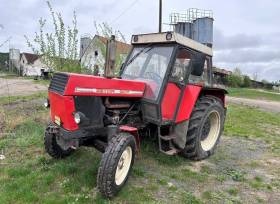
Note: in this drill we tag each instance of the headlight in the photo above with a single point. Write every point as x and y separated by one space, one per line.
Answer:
47 103
77 117
168 36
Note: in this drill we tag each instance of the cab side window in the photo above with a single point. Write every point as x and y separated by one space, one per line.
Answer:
203 78
181 66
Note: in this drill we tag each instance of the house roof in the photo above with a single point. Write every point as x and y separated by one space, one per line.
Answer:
221 71
30 57
122 48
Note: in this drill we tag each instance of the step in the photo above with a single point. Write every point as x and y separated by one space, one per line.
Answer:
168 137
170 152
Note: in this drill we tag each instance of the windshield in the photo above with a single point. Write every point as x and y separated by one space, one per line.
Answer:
149 64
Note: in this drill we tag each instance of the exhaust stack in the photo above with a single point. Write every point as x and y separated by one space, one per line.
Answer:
111 47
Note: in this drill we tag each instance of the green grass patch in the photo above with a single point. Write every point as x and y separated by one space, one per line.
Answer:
14 99
253 123
254 94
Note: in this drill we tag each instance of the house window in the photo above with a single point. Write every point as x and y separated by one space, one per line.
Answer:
95 53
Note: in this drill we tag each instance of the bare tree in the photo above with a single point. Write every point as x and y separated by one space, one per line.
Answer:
58 49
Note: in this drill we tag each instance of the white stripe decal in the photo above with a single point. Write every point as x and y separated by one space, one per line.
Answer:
106 91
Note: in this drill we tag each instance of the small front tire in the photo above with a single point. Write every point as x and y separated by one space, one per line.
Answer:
52 148
116 164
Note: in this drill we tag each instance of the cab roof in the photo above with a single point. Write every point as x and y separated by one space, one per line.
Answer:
168 37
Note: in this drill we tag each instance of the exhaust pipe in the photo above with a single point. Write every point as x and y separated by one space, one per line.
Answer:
111 47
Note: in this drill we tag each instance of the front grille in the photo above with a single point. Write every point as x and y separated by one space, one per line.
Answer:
58 83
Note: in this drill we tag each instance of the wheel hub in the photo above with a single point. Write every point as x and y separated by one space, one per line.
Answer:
211 130
123 166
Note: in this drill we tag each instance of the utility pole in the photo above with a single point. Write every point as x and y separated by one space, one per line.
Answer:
160 16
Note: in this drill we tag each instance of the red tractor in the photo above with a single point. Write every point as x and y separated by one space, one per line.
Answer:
165 90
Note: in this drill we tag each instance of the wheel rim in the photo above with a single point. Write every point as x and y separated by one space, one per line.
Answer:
210 134
123 165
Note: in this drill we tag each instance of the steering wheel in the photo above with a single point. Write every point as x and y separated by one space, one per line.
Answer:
154 76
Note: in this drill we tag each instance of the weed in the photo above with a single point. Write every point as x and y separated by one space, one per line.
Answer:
232 191
194 175
236 175
189 198
162 182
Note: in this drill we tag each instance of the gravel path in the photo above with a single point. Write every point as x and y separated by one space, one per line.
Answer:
19 87
271 106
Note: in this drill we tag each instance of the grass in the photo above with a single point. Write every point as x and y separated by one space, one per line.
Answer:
249 122
17 99
253 94
29 175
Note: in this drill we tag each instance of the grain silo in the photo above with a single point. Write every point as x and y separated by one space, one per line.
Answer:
203 30
14 58
196 24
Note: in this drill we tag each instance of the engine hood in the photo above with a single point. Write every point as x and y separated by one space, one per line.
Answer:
87 85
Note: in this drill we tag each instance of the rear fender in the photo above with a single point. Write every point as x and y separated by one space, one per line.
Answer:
217 92
190 96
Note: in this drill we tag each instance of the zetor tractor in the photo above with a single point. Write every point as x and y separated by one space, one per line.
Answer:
165 90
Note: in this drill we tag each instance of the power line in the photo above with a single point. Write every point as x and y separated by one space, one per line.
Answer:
124 11
8 40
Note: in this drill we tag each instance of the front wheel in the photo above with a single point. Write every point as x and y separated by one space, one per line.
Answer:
52 147
116 164
205 128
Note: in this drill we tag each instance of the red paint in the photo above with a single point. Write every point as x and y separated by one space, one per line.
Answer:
134 132
63 107
189 99
88 81
126 128
170 101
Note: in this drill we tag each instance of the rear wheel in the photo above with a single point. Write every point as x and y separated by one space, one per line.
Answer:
52 148
116 164
205 128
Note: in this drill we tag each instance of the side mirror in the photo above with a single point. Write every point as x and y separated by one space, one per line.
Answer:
198 61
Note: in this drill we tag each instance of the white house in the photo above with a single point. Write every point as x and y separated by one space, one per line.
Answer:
31 65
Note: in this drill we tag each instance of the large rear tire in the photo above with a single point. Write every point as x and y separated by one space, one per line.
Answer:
116 164
205 128
52 148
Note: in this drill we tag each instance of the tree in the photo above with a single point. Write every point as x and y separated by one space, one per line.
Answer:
237 72
246 81
236 78
58 49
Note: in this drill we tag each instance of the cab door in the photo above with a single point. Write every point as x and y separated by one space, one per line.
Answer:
176 85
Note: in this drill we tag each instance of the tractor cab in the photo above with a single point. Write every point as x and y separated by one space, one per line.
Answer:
169 64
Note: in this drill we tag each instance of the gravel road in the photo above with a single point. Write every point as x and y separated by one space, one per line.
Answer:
271 106
19 87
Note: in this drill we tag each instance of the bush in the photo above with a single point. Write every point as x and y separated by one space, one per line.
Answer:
246 81
235 80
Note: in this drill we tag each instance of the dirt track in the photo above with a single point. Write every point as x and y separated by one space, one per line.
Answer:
270 106
19 87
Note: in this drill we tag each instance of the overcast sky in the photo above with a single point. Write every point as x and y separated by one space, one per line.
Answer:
246 33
